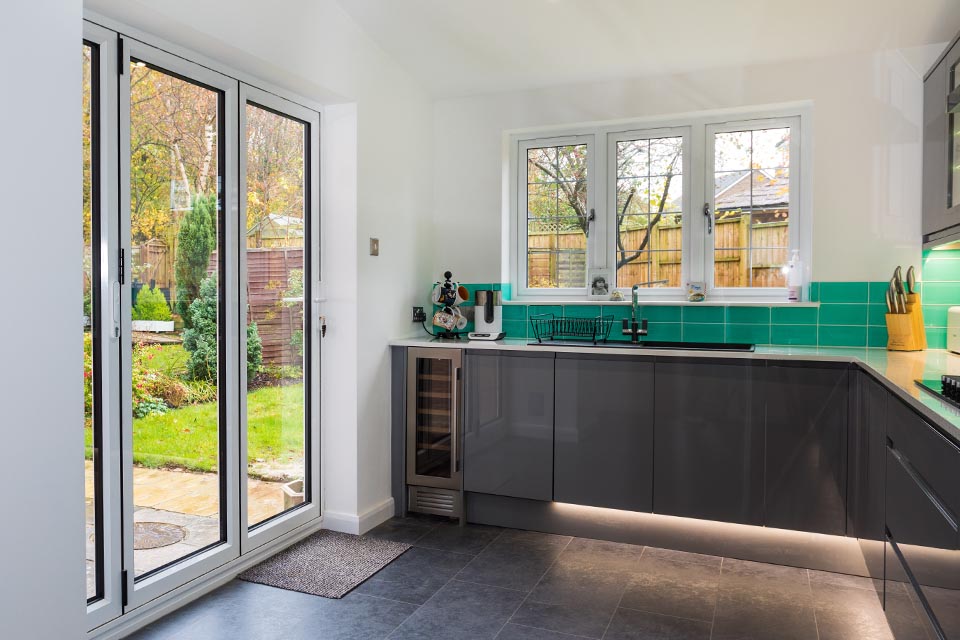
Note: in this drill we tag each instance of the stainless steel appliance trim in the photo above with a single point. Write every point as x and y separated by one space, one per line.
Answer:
455 358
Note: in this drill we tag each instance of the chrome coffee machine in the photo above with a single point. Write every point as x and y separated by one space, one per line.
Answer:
488 315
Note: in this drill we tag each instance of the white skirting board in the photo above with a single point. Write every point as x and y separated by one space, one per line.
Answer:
358 524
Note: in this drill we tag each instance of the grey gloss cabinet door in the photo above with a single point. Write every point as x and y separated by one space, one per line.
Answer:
709 440
868 442
508 424
806 434
604 432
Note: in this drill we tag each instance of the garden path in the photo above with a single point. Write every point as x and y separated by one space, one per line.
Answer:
188 500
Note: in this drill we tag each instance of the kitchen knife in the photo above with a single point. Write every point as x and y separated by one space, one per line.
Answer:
892 290
898 280
889 301
911 281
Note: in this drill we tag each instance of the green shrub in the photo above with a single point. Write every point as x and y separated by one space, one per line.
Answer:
146 382
200 340
88 378
151 305
254 350
196 240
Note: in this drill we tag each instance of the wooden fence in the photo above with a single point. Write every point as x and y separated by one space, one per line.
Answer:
559 259
268 274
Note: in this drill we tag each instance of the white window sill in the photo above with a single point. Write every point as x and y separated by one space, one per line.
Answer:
661 303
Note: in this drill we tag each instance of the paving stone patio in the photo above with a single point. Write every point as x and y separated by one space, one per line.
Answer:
188 500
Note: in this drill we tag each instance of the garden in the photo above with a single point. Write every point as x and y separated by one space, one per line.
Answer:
174 367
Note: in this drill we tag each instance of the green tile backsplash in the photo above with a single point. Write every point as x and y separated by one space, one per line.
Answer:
941 290
851 314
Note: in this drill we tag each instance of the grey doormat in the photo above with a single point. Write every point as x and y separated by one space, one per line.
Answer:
328 563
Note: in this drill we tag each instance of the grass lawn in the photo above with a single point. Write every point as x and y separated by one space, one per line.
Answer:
171 359
186 438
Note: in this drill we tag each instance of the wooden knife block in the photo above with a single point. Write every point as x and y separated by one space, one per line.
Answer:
905 330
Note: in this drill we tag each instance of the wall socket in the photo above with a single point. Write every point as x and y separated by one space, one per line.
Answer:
419 315
374 246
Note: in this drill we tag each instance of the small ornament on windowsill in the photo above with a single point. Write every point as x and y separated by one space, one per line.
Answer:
616 296
696 292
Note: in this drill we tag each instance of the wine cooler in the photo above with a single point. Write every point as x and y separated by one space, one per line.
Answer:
433 431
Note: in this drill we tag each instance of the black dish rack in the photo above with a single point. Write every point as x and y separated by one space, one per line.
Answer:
548 326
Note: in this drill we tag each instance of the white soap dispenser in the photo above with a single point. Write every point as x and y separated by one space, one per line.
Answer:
794 272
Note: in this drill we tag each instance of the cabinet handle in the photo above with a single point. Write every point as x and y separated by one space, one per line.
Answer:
455 421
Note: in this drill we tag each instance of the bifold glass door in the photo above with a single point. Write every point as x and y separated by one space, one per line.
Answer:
101 344
201 267
279 272
179 335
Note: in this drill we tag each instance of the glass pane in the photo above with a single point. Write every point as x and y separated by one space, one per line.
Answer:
556 253
751 207
649 247
766 266
666 194
633 158
91 423
732 151
434 417
633 196
649 269
175 223
541 200
771 148
276 349
557 214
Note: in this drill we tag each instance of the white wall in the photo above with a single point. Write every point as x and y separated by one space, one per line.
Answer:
315 49
866 153
41 474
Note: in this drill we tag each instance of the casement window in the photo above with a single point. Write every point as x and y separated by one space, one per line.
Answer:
703 200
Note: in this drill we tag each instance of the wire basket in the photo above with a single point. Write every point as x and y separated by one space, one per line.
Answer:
548 326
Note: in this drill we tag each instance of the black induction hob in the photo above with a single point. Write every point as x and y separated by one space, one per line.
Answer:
947 388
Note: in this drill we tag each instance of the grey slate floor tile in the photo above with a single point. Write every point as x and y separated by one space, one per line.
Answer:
485 582
514 561
461 610
415 576
471 539
641 625
512 631
677 589
588 621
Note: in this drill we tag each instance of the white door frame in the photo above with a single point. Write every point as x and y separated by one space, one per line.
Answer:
142 591
310 509
106 341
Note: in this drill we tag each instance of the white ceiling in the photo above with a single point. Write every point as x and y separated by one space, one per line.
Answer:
460 47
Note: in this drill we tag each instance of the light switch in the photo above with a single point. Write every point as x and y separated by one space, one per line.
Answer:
374 246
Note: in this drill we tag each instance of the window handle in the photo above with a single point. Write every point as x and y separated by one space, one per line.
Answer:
709 217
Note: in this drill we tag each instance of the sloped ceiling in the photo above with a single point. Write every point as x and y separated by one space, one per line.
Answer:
456 47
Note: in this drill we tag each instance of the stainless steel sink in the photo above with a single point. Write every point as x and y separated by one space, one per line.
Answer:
654 344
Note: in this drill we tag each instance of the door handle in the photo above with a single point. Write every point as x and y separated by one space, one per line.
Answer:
115 310
709 217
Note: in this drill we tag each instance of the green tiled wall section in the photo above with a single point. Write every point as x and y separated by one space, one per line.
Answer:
851 314
940 291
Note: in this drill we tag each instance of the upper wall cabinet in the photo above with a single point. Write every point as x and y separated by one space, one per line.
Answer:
941 150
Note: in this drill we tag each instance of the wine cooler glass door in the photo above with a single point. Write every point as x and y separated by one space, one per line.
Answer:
432 424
